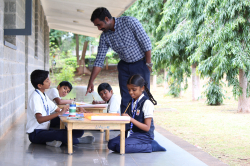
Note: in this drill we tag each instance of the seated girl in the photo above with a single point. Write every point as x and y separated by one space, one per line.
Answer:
140 137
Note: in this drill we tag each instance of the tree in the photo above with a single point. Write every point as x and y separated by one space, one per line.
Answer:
81 60
223 46
56 38
181 21
171 39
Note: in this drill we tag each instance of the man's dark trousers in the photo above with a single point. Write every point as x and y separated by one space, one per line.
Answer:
125 70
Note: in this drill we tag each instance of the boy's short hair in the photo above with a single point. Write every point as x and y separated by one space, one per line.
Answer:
66 83
104 86
38 77
100 13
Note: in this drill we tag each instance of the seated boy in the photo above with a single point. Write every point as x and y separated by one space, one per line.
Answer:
39 111
56 94
106 93
62 90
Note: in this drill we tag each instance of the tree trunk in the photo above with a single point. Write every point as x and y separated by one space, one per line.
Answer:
77 48
244 102
196 93
154 83
82 68
165 82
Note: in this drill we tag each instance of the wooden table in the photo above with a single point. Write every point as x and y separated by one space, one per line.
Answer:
86 124
91 109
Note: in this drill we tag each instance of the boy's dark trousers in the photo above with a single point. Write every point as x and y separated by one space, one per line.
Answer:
41 136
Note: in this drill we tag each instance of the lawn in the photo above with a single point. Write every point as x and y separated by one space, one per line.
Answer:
217 130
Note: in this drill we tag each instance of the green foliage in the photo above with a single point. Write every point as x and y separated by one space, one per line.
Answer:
113 57
215 34
214 93
67 74
148 12
71 62
176 78
160 79
224 41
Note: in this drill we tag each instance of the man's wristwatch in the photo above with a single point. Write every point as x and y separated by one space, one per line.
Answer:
149 64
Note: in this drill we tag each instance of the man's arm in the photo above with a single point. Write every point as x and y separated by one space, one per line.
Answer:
100 57
148 58
96 70
142 38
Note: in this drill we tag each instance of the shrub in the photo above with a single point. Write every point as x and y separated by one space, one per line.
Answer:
214 92
71 62
67 74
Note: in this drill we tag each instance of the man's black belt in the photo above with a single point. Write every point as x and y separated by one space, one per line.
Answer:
142 59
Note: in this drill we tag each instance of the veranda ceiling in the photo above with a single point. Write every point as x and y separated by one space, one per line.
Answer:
74 15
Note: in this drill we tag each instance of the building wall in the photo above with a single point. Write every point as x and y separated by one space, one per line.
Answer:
17 64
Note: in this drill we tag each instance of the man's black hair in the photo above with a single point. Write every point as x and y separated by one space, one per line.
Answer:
66 83
38 77
100 13
104 86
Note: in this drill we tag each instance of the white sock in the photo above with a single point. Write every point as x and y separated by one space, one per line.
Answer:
86 140
54 143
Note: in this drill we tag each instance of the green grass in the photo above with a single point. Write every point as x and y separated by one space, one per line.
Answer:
218 130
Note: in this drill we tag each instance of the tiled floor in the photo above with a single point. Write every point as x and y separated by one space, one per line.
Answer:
16 150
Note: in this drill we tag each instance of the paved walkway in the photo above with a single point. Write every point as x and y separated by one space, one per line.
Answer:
16 150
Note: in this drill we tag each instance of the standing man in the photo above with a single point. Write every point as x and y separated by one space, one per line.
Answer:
126 36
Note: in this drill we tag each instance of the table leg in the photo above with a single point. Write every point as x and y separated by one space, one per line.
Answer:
107 135
122 139
70 140
62 125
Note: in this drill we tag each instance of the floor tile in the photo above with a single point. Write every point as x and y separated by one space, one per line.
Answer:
16 150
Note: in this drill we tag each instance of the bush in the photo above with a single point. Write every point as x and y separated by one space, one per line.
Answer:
71 62
67 74
160 79
214 92
113 57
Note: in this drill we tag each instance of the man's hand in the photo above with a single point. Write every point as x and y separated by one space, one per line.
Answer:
96 70
90 88
149 68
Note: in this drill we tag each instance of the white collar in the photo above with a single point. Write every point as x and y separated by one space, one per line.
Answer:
139 98
41 94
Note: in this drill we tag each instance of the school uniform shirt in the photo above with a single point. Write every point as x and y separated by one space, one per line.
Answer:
35 105
114 104
52 94
148 107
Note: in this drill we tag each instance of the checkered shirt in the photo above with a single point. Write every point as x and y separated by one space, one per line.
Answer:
129 40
